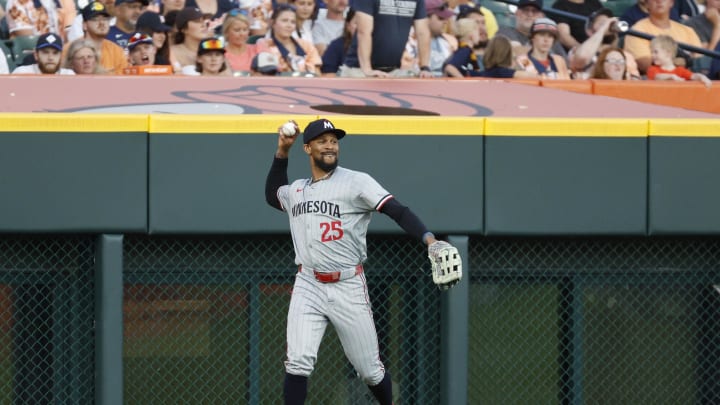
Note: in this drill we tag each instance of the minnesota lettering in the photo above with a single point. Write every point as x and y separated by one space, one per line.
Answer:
316 207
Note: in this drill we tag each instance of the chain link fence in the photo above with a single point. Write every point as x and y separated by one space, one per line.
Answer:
46 320
588 321
205 323
551 320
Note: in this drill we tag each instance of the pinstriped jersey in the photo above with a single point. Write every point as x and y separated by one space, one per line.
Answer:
329 218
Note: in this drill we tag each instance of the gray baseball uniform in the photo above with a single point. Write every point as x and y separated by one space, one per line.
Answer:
329 217
328 222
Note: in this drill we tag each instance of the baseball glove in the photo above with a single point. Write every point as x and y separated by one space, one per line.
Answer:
446 264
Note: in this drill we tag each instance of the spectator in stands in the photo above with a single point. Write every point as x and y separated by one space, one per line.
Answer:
540 59
499 62
96 26
478 15
48 57
681 10
519 36
213 9
238 52
602 30
76 31
463 62
141 50
83 57
152 23
192 27
260 18
211 58
264 64
663 49
305 12
707 24
295 54
126 16
715 66
168 6
572 31
336 50
329 24
658 22
4 68
28 17
379 43
442 44
610 65
490 22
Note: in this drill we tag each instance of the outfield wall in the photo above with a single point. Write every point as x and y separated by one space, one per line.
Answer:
169 174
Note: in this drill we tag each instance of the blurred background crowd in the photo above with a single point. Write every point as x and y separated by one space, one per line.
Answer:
675 40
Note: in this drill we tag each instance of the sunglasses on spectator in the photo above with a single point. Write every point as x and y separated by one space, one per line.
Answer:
215 44
238 11
139 37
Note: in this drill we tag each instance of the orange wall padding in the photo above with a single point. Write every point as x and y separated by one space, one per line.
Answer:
690 95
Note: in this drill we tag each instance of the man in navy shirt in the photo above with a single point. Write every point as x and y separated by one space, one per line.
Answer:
126 16
383 27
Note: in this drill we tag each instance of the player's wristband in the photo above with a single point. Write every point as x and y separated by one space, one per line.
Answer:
425 68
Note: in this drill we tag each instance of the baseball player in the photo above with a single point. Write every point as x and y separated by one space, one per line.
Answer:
329 215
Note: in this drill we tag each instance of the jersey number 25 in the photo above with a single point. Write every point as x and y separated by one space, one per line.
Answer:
331 231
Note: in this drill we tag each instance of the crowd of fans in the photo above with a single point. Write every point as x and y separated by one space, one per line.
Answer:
362 38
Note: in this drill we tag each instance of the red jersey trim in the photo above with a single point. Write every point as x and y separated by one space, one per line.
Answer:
382 202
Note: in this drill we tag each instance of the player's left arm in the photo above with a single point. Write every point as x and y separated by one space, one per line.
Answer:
407 220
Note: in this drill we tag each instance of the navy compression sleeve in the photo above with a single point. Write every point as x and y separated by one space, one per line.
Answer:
276 178
404 217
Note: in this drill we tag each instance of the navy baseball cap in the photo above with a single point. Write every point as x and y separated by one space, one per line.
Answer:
94 9
143 2
538 4
151 21
49 40
319 127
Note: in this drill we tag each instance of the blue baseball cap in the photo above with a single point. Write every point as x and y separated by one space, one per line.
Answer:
49 40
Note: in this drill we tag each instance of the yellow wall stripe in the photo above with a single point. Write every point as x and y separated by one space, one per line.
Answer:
354 124
685 127
69 122
581 127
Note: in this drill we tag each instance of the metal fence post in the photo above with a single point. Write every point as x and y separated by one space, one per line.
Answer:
109 320
454 306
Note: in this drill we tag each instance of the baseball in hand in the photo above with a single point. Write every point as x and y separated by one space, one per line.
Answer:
289 129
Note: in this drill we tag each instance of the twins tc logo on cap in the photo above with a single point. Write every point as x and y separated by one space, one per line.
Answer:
319 127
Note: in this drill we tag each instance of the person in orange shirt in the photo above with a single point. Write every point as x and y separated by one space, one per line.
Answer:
96 24
662 50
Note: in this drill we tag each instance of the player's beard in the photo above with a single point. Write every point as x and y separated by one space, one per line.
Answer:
326 167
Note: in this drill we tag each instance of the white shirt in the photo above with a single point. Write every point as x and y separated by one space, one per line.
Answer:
4 69
34 70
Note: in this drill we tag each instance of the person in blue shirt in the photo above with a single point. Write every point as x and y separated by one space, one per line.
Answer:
127 13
